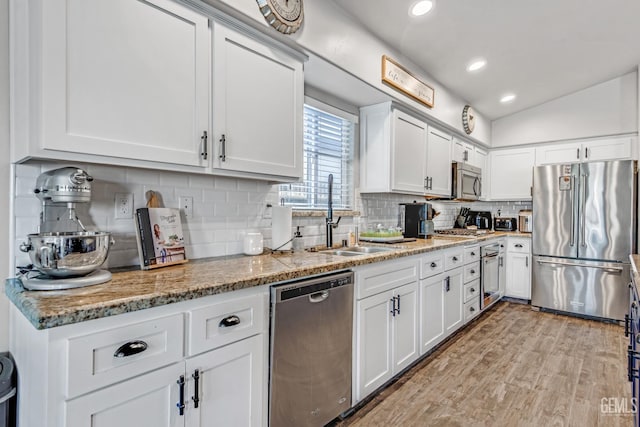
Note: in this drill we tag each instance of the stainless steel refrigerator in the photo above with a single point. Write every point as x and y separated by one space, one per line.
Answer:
584 228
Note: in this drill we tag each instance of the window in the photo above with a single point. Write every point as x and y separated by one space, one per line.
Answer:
328 149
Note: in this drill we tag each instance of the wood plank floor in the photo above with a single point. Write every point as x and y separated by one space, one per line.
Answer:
512 367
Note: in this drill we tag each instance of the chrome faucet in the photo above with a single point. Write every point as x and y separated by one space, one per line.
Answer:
330 224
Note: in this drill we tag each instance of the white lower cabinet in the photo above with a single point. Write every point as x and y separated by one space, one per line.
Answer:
135 369
145 401
432 292
453 300
387 339
386 323
518 283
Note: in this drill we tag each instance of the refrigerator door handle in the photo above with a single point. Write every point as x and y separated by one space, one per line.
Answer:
573 211
571 264
583 222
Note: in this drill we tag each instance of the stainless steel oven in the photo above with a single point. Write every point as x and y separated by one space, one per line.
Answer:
466 181
490 274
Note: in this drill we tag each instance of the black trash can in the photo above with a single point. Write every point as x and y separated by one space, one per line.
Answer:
7 391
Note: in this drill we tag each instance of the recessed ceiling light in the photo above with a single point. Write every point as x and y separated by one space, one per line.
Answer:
507 98
421 7
476 65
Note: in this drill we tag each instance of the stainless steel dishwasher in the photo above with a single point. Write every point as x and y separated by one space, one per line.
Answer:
311 335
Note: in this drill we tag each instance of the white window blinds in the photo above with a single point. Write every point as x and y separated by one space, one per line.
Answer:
328 149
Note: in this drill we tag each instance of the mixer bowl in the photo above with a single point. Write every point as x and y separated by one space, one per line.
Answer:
67 254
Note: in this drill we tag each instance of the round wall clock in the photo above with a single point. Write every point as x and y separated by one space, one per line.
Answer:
468 119
284 15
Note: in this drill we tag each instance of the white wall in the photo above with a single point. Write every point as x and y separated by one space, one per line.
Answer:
333 35
608 108
4 171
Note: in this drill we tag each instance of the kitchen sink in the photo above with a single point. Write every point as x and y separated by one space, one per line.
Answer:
357 250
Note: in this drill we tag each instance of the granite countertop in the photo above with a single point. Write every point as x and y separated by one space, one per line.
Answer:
136 290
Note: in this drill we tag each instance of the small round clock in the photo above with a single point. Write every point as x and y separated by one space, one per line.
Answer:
284 15
468 119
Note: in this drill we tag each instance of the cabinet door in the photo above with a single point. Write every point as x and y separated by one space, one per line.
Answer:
558 153
125 79
409 146
608 149
512 174
463 152
438 170
405 327
373 343
145 401
518 276
431 312
453 301
481 160
230 386
502 273
258 106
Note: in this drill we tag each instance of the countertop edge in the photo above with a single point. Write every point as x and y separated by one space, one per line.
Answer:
44 320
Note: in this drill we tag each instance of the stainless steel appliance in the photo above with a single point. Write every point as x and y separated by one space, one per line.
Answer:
489 275
505 224
466 181
416 220
482 220
584 228
311 335
64 254
525 221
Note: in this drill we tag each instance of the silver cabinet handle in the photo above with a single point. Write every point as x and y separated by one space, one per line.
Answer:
586 152
583 233
130 349
229 321
578 153
426 183
223 148
205 151
526 262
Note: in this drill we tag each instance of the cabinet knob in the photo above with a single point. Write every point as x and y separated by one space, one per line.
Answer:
455 258
473 254
518 245
472 290
131 348
473 272
229 321
434 265
472 309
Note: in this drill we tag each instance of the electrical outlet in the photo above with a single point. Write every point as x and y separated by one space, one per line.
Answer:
186 204
124 205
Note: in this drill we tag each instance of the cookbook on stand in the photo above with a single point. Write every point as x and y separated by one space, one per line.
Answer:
160 237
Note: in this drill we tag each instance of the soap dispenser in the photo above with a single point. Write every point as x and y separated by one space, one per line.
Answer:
298 245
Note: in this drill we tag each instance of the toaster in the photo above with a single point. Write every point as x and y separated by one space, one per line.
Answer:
505 224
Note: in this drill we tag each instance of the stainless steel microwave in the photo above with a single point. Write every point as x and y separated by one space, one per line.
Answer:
466 182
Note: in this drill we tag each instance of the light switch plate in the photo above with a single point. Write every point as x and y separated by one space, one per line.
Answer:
186 205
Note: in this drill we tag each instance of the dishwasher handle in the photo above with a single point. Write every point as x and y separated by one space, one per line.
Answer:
318 297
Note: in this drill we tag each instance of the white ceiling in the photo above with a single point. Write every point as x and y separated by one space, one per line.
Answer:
539 49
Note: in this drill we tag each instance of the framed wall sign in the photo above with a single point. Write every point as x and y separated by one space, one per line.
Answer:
401 79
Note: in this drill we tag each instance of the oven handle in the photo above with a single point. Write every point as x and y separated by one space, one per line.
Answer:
571 264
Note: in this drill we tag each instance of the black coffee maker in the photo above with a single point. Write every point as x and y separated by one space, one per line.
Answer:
416 220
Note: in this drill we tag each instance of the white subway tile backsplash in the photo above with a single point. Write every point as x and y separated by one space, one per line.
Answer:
224 183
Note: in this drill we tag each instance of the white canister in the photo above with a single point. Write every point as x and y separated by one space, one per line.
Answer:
253 243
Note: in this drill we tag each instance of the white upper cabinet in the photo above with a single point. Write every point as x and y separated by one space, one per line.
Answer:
438 167
623 148
511 172
463 152
400 153
409 146
258 103
120 78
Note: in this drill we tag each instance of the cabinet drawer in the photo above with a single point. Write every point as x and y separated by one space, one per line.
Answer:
431 264
519 245
471 254
92 360
222 323
472 272
372 280
472 291
453 258
471 309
